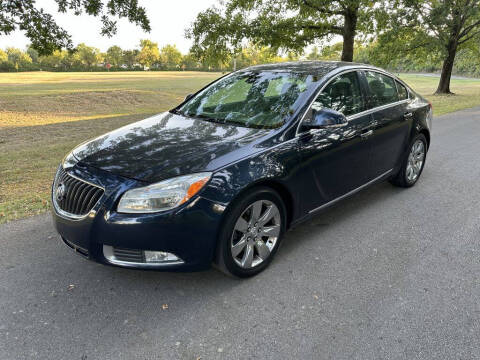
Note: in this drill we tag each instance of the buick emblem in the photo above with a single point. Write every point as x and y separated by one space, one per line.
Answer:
60 192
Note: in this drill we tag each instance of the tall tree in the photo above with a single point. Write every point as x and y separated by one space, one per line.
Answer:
314 54
46 35
3 56
433 26
18 58
189 61
88 55
54 60
114 56
33 54
254 55
130 57
281 24
170 56
149 54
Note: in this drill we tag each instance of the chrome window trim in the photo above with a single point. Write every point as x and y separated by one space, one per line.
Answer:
351 192
363 113
67 215
378 108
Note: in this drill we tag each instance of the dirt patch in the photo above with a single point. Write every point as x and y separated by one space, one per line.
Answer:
82 102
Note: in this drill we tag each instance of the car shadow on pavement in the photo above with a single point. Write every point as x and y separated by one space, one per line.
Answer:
334 216
338 215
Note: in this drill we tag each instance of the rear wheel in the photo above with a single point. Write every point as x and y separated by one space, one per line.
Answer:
251 233
413 164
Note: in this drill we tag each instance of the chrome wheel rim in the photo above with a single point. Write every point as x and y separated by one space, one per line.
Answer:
415 161
255 234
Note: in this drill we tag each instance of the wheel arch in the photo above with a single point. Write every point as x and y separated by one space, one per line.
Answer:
282 190
426 133
277 186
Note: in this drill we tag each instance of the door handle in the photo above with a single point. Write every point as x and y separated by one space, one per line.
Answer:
407 115
366 134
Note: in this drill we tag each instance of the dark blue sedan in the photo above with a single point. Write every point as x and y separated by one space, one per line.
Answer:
221 177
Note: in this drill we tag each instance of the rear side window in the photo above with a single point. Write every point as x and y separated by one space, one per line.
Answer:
383 90
402 91
342 94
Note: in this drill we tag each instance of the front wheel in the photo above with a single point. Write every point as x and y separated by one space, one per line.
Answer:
413 164
251 233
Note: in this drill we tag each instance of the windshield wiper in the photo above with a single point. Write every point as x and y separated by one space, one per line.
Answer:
177 112
196 116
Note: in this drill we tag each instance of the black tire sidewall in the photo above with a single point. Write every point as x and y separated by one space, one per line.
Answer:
224 257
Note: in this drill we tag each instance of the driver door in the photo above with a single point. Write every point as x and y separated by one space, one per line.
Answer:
336 157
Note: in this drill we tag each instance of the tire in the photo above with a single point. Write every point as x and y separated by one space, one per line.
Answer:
245 246
411 168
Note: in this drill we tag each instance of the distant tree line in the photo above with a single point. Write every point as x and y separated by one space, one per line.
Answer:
147 57
150 57
88 58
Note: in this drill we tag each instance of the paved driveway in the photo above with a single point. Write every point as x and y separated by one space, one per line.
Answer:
386 274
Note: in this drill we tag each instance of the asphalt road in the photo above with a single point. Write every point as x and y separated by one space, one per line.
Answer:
386 274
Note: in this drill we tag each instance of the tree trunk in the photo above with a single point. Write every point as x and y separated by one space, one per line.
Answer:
444 84
350 25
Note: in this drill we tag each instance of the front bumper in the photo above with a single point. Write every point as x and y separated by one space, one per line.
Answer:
189 232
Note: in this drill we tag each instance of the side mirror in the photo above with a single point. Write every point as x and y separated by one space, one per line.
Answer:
320 118
188 97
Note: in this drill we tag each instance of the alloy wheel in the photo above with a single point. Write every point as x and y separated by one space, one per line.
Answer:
255 234
415 161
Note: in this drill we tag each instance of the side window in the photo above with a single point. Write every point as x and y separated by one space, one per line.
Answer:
342 94
402 91
383 90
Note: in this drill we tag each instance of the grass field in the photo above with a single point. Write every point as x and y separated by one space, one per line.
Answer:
44 115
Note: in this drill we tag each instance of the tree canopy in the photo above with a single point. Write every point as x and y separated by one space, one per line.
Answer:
432 29
290 25
149 53
46 35
114 55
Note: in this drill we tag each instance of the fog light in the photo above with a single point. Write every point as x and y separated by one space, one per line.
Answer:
160 257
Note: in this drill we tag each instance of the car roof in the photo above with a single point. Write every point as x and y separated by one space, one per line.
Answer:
307 67
319 68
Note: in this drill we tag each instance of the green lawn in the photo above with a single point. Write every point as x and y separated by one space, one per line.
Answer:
44 115
467 92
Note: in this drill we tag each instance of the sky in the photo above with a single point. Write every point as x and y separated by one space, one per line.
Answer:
168 20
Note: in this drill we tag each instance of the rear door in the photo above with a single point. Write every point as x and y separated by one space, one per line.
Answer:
336 158
388 100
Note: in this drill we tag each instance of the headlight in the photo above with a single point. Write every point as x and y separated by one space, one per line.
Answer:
164 195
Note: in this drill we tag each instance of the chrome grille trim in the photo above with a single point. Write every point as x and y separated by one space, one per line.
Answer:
80 198
130 255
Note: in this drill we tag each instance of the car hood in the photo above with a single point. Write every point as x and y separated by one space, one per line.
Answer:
168 145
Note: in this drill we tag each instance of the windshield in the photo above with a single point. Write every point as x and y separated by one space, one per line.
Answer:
258 99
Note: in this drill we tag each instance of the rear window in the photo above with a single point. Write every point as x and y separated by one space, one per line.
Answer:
402 91
383 90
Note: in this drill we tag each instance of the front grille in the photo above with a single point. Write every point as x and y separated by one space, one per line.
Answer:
129 255
74 196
